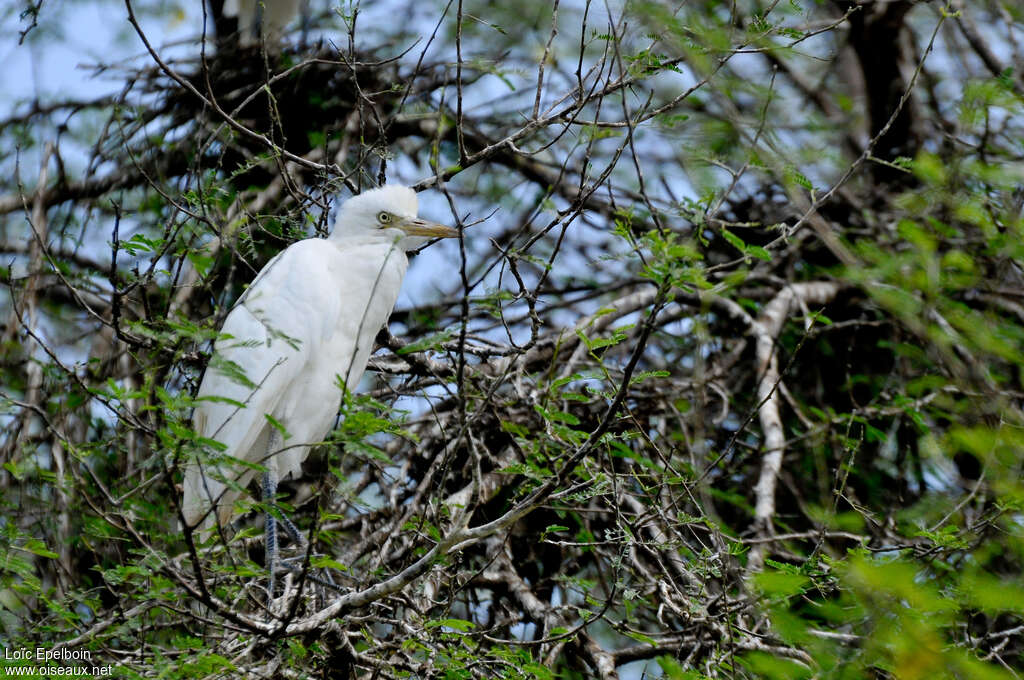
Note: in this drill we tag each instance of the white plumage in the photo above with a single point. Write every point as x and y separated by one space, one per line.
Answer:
274 16
310 316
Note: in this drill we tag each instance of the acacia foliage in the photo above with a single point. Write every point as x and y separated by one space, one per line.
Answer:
724 379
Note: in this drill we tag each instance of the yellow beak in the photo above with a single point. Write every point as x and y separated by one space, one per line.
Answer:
418 227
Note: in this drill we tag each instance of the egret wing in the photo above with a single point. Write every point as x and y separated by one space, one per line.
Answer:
265 343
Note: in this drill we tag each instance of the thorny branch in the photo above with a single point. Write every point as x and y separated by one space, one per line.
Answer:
597 421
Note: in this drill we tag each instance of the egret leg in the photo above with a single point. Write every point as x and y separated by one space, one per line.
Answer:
269 493
274 442
270 528
293 531
300 540
257 22
306 11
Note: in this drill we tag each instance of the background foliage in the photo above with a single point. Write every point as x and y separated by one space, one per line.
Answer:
724 379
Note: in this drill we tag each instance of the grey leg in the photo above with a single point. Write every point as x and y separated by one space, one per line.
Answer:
269 493
270 528
305 11
293 531
257 19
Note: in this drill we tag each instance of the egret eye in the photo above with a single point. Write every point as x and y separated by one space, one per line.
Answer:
384 217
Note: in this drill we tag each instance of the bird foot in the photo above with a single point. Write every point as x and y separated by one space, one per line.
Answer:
278 607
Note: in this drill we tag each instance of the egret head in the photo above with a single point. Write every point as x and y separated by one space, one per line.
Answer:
388 212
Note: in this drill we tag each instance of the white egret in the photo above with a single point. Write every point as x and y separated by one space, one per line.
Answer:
307 322
269 16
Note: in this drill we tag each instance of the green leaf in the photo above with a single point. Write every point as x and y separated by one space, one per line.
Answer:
460 625
758 252
735 240
432 342
230 370
992 594
557 416
674 670
640 637
554 528
37 547
765 665
780 583
277 425
641 376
